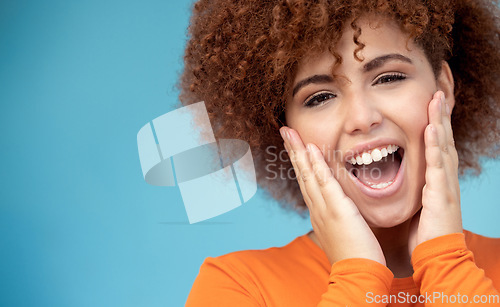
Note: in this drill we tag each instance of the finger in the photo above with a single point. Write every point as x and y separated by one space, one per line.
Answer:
445 126
450 157
436 113
290 152
305 168
442 124
285 132
450 141
307 200
286 143
435 174
446 120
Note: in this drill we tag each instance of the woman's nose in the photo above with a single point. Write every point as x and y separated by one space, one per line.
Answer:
362 115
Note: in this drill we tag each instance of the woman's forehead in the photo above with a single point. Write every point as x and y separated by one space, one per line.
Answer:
374 41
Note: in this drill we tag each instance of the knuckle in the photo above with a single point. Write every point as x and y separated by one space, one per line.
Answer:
322 181
298 176
305 176
316 169
321 175
444 148
451 198
438 164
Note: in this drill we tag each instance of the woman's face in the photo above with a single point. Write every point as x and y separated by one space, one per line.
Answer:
360 112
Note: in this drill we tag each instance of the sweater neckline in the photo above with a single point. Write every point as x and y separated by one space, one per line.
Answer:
398 284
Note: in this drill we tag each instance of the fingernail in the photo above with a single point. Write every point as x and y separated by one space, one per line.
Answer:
288 134
282 132
442 96
447 109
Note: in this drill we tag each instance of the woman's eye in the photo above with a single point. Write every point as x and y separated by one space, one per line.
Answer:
318 99
389 78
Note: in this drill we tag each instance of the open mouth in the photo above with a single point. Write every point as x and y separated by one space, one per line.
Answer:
376 169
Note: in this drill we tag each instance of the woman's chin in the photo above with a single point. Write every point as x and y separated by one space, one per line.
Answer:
387 220
385 224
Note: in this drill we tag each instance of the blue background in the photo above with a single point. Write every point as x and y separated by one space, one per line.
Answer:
79 226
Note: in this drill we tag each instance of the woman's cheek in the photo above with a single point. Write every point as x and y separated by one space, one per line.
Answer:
414 113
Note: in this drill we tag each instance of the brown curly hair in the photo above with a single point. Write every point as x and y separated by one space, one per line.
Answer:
242 55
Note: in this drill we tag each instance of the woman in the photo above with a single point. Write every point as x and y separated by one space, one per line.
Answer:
380 105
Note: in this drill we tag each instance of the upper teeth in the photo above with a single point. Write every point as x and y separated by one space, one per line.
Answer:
376 155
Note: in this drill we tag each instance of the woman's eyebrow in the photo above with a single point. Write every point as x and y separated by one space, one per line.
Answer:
373 64
311 79
381 60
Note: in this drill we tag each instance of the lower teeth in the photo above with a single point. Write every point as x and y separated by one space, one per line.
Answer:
381 185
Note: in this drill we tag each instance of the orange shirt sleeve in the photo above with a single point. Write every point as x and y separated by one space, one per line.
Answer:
294 276
357 282
445 271
352 282
218 284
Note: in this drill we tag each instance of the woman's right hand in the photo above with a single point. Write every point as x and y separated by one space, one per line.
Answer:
341 230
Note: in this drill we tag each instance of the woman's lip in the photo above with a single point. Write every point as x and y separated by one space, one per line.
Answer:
387 191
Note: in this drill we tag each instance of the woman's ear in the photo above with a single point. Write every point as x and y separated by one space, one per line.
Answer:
446 84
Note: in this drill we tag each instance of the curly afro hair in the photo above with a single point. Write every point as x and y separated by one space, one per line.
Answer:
242 55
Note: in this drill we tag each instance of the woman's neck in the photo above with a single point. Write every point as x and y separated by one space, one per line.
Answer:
394 244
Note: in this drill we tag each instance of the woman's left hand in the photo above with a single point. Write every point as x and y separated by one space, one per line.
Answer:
440 213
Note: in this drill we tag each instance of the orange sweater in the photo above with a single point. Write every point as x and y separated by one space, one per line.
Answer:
449 270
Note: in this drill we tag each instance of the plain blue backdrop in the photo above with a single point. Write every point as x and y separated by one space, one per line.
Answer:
79 226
